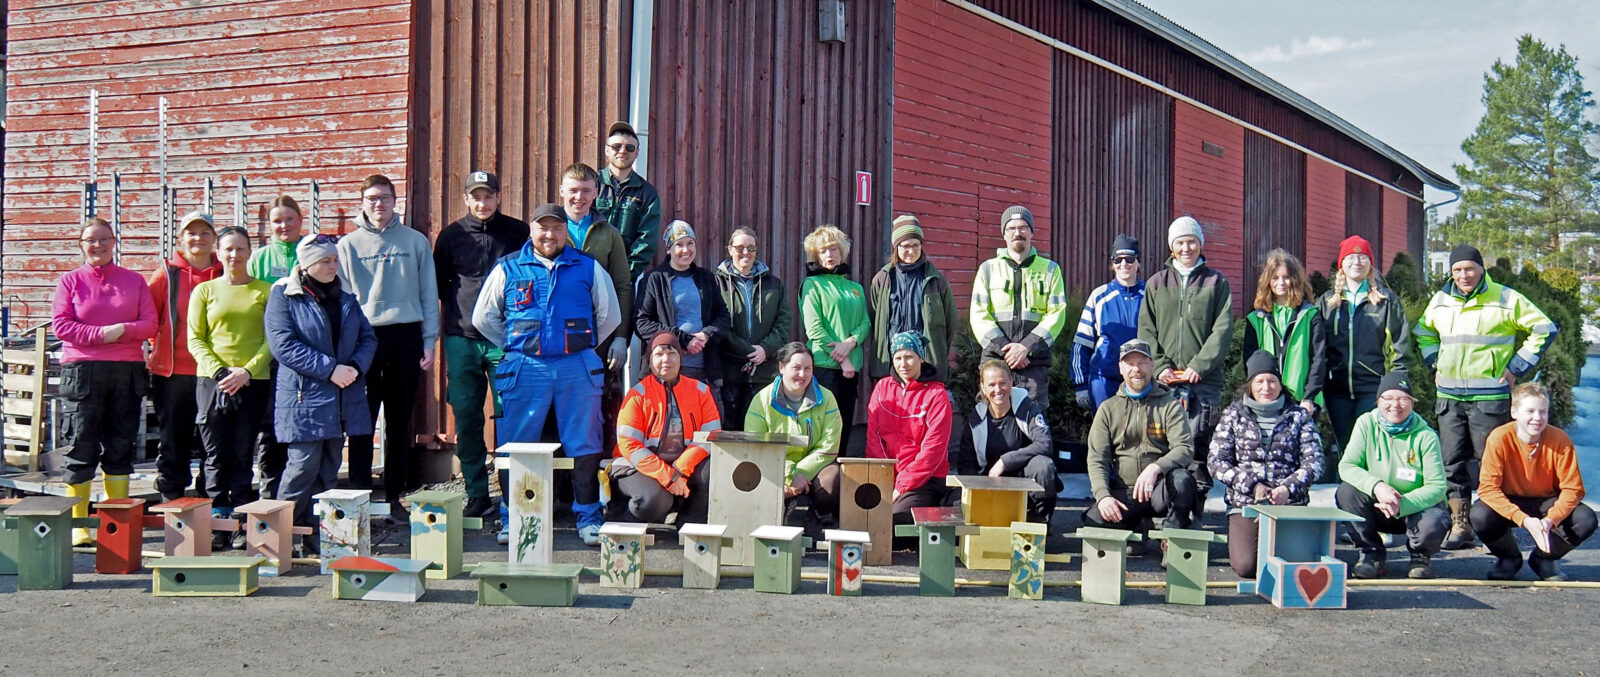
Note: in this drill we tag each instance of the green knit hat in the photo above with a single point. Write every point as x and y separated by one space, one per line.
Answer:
905 226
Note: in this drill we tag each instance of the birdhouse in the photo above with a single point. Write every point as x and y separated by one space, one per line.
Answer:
991 504
937 531
1105 563
119 541
436 524
531 470
622 554
1027 561
8 540
1188 554
189 576
518 584
187 524
702 554
866 487
379 579
269 532
747 479
778 554
1295 566
344 524
43 541
846 555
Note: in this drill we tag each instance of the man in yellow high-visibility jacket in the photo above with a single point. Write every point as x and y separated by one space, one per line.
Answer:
1469 335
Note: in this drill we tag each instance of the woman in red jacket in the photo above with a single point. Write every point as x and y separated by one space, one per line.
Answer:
908 420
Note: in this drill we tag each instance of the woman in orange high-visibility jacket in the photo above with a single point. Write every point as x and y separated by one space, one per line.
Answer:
655 466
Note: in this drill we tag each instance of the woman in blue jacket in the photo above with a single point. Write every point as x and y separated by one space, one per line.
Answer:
323 345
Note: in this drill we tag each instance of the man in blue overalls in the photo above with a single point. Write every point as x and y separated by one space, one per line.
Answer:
548 305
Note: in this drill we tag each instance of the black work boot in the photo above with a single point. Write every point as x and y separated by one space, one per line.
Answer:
1371 565
480 507
1507 557
1421 566
1545 566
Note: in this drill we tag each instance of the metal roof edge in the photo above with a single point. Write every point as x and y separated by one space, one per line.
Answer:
1154 22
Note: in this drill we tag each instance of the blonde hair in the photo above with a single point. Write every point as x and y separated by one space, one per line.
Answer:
826 235
1530 389
1375 286
1299 285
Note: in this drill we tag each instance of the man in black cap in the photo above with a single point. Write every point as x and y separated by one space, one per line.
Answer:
1139 450
1110 317
1468 334
463 254
628 201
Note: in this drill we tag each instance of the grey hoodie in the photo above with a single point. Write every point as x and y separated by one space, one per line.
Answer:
390 271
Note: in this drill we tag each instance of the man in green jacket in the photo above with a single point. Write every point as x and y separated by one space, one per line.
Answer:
1392 476
1140 450
1187 317
761 322
1019 306
1468 333
628 201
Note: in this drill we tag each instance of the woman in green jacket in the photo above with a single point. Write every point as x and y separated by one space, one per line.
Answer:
761 320
834 310
796 404
1288 327
910 294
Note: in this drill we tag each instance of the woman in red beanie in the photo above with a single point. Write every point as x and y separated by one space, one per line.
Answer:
1367 336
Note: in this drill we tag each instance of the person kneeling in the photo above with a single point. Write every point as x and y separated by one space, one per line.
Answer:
908 420
655 465
1139 450
1266 451
1530 479
1392 475
1007 437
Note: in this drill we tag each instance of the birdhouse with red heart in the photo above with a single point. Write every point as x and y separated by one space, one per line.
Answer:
846 555
1295 566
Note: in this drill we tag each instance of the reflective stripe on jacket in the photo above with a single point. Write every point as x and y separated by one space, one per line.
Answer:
1018 303
643 420
1471 339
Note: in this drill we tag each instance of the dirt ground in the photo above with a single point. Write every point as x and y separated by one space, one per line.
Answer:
112 625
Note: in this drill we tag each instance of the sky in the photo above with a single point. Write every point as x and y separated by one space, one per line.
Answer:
1409 73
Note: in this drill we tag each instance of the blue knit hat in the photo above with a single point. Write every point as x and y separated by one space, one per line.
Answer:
909 340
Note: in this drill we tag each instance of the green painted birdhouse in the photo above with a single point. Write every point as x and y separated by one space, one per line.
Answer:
778 552
517 584
187 576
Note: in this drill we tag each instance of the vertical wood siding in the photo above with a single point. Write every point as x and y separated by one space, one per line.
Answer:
1324 214
1363 215
754 122
1395 235
972 133
1111 169
1211 188
1274 203
278 92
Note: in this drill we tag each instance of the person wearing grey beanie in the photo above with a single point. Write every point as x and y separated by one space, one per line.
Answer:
1019 305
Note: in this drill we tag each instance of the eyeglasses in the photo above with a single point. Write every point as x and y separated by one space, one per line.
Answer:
1124 260
1396 399
1017 229
377 199
97 240
620 147
742 248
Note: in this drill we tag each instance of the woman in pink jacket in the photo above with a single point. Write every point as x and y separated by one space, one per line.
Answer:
102 313
908 420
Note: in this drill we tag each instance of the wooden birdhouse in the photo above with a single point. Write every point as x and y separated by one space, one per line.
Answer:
1295 566
622 547
1027 561
866 486
747 479
269 533
991 504
188 576
1105 563
530 470
344 524
436 524
846 555
187 524
380 579
518 584
1188 554
43 541
119 541
778 554
937 531
702 554
8 540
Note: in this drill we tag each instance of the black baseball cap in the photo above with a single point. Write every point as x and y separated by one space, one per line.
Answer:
548 210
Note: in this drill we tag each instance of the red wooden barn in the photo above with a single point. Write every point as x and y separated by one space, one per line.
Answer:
1100 115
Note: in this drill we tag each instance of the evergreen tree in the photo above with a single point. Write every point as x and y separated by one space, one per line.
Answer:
1532 178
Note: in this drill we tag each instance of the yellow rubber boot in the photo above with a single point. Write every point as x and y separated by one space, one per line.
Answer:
80 535
116 486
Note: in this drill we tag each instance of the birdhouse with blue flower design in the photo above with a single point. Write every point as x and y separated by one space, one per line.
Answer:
622 547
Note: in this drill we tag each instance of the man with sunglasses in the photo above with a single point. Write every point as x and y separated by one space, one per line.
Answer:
1110 317
388 266
628 201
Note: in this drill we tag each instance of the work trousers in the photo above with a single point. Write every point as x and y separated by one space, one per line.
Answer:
101 403
1463 429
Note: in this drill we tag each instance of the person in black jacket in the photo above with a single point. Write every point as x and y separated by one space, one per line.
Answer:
1007 437
1368 335
681 297
463 255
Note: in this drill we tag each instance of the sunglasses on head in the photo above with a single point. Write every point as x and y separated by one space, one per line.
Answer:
233 230
324 238
620 147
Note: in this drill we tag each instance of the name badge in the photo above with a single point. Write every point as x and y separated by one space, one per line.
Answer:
1406 474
